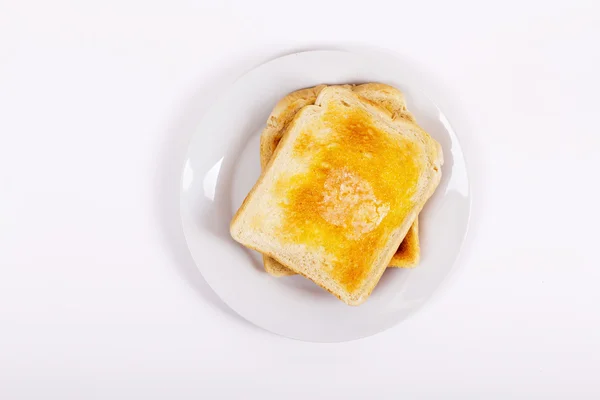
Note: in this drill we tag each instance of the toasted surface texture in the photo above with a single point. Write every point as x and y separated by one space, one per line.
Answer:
330 204
384 96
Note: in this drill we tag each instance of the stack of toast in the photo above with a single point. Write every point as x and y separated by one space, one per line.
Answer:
345 172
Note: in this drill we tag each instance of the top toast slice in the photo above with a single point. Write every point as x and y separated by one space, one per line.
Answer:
386 97
340 193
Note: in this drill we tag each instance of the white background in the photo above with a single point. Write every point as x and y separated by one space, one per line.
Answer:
99 297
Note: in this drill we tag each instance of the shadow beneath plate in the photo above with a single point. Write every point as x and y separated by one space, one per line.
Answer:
168 177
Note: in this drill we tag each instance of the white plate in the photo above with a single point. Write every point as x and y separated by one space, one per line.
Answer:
223 164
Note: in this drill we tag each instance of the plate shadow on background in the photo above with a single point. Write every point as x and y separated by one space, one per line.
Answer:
168 177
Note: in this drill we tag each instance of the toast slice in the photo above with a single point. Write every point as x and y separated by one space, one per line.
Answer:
384 96
330 205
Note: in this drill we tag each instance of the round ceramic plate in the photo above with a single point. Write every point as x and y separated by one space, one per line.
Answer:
222 165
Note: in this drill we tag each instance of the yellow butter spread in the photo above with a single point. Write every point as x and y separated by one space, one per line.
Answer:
357 189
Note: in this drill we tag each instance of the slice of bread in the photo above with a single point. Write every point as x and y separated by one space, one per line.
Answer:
384 96
340 193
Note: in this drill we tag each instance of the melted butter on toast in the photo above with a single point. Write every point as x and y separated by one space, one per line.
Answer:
357 189
349 202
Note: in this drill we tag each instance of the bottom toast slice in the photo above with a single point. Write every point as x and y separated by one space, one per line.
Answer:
383 96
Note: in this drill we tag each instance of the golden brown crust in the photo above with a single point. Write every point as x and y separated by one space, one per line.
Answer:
409 252
281 116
